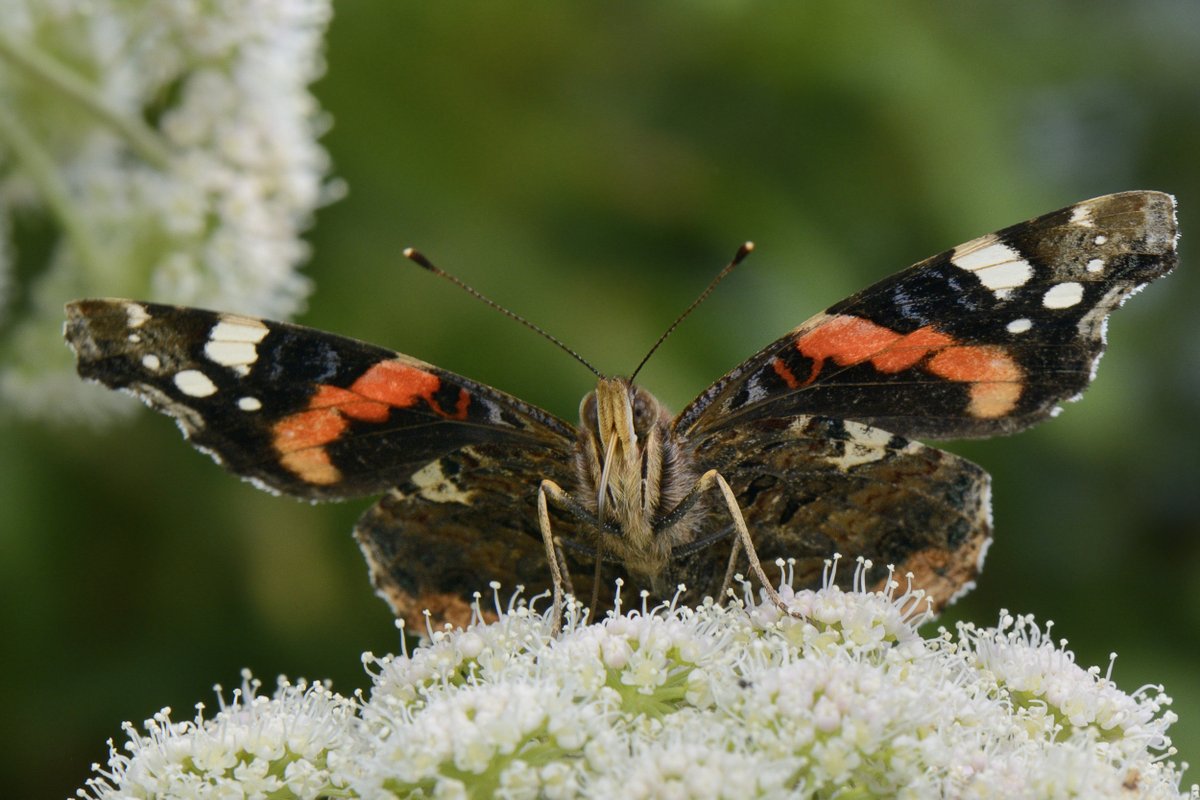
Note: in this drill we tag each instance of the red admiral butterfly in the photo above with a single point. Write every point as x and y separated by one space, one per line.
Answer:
809 441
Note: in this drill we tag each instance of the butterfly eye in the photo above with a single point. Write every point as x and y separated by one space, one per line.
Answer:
587 412
643 412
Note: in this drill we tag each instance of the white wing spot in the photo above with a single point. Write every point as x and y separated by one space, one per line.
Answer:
1095 265
1101 239
433 485
1082 215
864 445
249 403
151 362
195 383
233 328
1063 295
134 338
998 266
231 342
231 354
136 315
1019 325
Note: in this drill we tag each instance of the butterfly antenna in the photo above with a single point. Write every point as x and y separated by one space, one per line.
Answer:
743 251
418 258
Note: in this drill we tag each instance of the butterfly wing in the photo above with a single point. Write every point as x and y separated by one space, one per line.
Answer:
465 517
294 409
809 487
322 417
984 339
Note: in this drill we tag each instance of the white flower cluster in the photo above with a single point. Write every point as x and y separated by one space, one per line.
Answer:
167 150
673 702
253 747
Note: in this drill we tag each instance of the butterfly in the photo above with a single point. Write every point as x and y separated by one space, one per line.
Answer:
806 449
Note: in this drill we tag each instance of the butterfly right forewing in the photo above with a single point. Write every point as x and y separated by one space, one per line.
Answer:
294 409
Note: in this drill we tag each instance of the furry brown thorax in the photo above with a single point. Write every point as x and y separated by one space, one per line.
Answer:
632 472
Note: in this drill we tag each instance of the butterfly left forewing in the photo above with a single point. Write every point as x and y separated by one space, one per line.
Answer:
813 433
984 339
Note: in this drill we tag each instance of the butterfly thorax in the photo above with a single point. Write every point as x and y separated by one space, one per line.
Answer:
631 473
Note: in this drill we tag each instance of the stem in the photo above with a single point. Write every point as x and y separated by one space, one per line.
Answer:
42 171
143 139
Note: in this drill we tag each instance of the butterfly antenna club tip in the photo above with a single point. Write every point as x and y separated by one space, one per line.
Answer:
417 257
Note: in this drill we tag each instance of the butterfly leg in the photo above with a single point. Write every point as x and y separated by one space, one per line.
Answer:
559 576
714 478
596 587
730 570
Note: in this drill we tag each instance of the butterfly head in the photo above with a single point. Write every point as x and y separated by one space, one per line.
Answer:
623 428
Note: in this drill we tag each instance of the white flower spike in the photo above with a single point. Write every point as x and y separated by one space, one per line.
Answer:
171 147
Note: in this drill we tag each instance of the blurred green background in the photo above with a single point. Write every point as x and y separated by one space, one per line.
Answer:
592 165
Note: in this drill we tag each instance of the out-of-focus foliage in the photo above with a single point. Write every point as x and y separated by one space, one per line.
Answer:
591 165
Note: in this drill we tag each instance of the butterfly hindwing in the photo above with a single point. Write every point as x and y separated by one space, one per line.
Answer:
984 339
427 540
809 487
297 410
